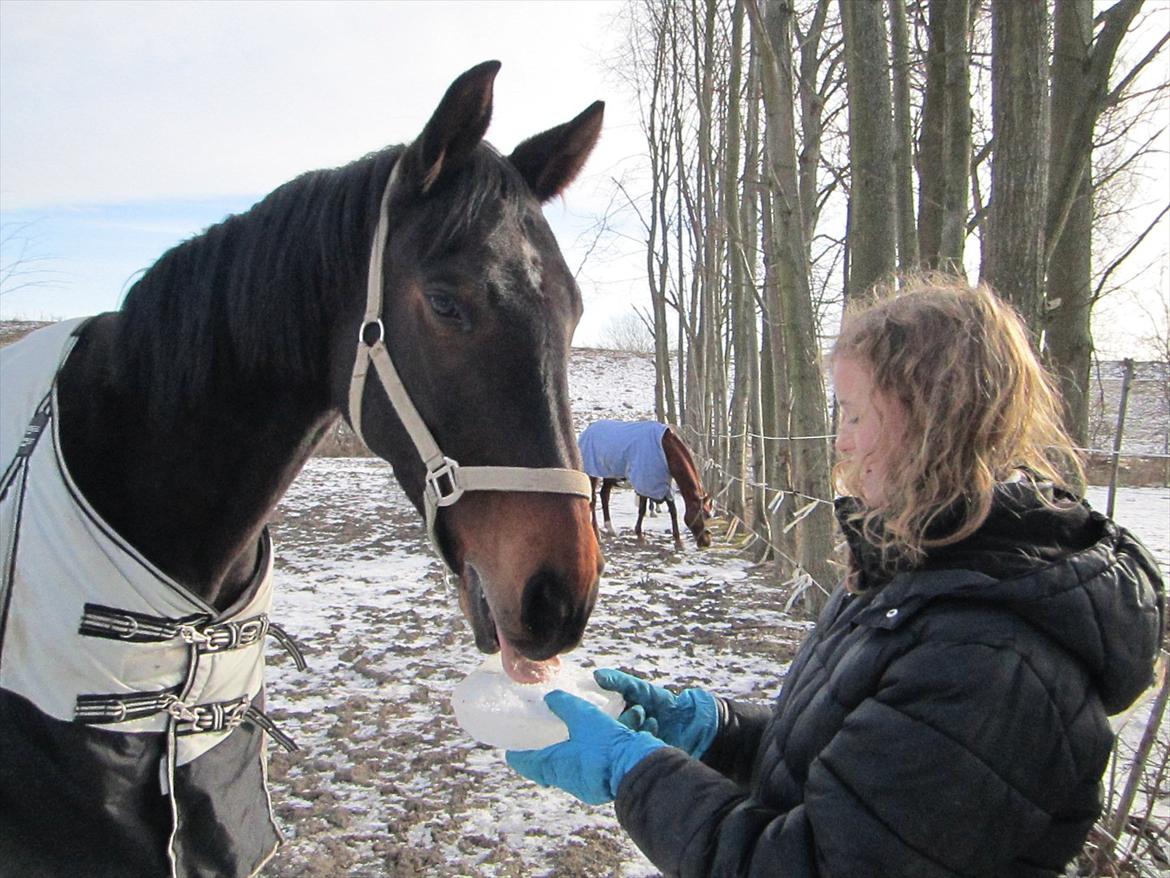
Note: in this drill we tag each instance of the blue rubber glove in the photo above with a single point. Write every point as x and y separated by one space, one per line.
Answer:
591 764
689 720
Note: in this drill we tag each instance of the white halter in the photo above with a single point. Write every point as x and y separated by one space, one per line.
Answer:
446 480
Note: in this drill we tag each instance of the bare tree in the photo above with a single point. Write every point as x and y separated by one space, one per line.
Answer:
743 310
903 139
801 352
1081 69
944 147
628 331
21 266
1013 249
872 235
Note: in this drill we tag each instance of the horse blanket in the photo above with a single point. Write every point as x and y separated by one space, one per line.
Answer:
130 728
627 450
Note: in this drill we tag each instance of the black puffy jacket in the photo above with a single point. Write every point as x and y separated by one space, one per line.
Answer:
949 722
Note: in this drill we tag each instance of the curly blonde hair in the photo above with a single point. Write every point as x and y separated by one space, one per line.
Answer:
980 409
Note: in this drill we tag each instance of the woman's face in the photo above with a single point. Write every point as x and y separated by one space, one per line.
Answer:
871 427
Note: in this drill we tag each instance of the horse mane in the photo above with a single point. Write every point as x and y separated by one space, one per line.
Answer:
685 458
255 294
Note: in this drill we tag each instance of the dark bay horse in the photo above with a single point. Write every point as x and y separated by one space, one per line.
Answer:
649 456
177 423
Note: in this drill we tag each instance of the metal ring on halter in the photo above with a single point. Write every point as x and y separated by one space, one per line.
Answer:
443 483
376 322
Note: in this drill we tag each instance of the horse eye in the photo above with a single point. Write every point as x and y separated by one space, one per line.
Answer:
444 306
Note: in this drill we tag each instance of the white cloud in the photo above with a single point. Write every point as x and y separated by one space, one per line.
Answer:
120 101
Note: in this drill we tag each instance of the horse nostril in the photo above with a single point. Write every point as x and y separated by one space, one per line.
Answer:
551 617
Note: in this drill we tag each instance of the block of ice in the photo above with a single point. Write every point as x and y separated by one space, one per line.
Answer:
498 711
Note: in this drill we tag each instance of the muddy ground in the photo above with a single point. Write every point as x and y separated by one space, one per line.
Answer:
386 783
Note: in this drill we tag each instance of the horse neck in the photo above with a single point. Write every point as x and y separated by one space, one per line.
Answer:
193 492
682 468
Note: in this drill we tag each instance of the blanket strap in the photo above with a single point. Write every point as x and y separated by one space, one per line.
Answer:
190 719
197 629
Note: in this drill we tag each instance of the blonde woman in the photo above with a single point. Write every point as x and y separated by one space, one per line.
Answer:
948 715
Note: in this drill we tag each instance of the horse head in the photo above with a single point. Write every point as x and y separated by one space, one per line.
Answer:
478 309
697 510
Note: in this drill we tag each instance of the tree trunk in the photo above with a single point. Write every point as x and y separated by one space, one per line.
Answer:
810 470
749 226
944 149
956 155
743 312
903 142
1080 83
1070 287
776 402
930 140
812 109
872 236
658 255
681 199
1013 253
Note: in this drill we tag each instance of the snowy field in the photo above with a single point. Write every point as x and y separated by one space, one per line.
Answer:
386 784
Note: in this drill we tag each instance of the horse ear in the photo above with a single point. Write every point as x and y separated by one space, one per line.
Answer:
548 162
457 126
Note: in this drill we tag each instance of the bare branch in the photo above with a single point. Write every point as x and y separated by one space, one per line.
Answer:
1127 252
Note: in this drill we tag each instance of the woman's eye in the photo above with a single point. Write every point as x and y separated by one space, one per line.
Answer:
445 307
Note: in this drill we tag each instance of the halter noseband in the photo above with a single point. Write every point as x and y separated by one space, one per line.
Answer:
446 480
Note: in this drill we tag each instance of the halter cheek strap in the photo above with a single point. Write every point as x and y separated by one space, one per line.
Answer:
446 480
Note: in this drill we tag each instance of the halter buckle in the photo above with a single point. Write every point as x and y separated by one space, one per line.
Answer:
443 484
371 332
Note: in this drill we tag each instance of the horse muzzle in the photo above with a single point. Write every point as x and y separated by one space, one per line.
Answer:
529 573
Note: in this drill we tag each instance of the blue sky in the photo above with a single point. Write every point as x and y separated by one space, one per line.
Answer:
82 258
128 126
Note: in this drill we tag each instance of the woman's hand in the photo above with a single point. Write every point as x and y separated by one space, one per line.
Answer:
689 720
591 764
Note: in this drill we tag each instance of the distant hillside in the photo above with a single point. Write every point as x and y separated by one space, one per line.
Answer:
12 330
620 384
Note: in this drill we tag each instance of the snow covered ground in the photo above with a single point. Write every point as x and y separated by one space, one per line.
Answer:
386 782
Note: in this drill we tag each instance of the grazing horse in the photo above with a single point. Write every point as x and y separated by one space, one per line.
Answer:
648 455
144 450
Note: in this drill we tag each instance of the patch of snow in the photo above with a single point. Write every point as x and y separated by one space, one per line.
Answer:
387 783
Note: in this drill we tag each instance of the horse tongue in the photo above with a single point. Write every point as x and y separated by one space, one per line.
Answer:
525 670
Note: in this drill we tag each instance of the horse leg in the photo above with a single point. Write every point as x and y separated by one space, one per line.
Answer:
641 515
674 522
606 488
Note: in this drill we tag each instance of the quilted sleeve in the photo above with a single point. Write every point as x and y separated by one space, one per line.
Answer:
965 758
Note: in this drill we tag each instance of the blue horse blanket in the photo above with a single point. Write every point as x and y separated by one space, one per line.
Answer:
627 450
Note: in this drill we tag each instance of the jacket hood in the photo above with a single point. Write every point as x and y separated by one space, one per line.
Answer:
1065 569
